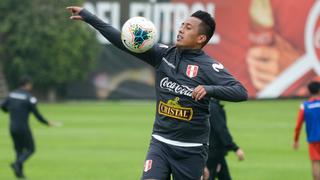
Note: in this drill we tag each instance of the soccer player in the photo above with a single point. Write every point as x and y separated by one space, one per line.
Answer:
185 79
310 113
220 142
19 104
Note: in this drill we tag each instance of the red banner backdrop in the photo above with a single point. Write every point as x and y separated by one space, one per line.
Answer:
271 46
263 43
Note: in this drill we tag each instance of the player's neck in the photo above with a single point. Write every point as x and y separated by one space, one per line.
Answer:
196 47
316 96
26 89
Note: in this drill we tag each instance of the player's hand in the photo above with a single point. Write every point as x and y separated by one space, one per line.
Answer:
295 145
240 154
55 124
75 10
206 173
198 93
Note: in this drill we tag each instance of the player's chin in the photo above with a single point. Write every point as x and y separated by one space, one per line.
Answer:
179 44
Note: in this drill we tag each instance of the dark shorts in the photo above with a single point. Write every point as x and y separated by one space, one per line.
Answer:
184 163
218 167
22 141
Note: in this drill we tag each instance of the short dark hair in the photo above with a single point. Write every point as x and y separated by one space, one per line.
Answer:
314 87
24 80
208 24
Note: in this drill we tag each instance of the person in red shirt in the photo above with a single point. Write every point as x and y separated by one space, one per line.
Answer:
309 113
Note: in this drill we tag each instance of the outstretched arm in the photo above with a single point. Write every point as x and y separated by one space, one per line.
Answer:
298 127
35 111
38 115
151 57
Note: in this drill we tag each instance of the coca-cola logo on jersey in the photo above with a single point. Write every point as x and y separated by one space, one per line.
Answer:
165 83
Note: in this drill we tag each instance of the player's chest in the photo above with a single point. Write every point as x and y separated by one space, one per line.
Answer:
186 73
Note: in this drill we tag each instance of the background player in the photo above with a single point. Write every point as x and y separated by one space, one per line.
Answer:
310 113
19 104
220 142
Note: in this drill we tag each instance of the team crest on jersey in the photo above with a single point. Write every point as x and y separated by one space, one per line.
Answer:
173 109
147 165
192 71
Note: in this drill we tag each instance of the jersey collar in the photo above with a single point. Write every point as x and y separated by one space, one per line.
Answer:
190 52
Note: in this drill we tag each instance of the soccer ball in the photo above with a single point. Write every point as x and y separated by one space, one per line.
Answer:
138 34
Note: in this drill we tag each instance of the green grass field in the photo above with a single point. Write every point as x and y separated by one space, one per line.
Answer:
109 141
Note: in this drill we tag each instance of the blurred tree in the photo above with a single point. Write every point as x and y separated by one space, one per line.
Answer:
38 38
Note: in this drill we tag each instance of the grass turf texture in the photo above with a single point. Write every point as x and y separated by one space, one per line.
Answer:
109 141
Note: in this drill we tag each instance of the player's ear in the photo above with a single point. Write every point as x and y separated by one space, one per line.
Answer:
202 38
